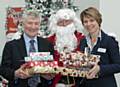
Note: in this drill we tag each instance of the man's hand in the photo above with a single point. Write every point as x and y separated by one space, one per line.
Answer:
93 72
22 73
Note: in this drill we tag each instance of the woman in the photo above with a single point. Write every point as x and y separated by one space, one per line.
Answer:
101 44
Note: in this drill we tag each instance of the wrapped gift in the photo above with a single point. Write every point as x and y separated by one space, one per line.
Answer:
39 56
75 64
79 60
42 67
3 82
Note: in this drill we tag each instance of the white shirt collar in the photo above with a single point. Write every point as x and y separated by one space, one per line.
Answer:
27 38
89 41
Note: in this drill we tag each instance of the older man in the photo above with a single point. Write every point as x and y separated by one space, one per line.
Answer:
15 51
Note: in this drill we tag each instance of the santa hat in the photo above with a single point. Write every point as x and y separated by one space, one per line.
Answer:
67 14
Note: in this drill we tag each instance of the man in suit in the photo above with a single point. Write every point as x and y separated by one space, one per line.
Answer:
15 51
99 43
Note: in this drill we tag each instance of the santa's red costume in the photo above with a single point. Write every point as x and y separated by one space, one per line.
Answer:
65 35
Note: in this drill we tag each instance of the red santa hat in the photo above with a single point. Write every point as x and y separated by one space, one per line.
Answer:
67 14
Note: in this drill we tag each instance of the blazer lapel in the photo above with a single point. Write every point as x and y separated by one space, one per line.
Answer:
22 47
39 44
99 43
94 50
83 44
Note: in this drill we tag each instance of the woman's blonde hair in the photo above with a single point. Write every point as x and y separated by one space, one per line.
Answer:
91 12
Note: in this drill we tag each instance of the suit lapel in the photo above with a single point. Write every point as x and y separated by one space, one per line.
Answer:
22 47
95 49
99 43
83 44
39 44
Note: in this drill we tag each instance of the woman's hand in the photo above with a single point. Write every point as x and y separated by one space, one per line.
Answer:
93 72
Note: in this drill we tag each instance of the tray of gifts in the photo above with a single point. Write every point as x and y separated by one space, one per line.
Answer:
52 68
75 64
79 60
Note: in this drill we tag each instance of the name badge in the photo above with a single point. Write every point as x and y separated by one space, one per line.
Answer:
102 50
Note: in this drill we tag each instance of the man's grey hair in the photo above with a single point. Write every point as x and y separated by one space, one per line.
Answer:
33 13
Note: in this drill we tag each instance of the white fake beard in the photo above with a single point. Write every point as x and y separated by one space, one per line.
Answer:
65 38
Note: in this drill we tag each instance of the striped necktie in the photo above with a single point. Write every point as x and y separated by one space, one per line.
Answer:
32 47
35 79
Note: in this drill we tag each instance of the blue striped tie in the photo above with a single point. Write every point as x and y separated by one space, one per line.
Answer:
35 79
32 47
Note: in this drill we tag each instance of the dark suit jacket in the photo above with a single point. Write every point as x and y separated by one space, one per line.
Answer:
109 61
13 57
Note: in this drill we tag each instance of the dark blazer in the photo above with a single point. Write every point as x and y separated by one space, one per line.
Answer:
109 61
13 57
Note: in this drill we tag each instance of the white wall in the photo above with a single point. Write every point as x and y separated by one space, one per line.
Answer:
86 3
3 5
110 12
